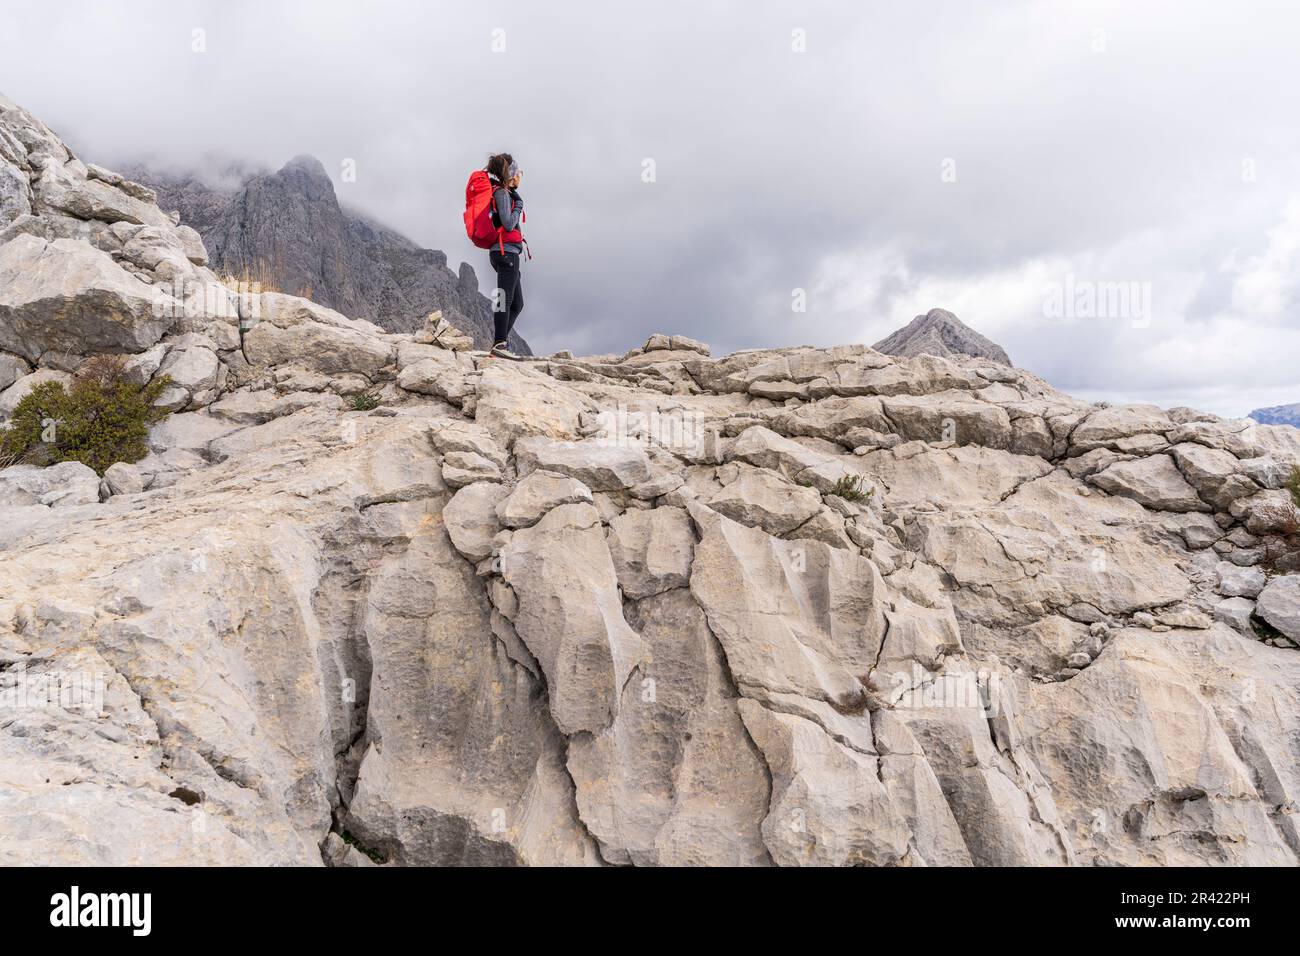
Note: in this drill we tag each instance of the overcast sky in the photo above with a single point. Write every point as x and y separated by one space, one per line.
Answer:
1002 160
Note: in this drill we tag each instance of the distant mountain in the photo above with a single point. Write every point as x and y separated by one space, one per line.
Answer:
287 230
939 332
1278 415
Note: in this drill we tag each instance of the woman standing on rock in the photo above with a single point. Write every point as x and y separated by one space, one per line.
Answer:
507 215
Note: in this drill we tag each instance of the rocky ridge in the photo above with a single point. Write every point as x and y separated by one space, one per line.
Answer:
804 606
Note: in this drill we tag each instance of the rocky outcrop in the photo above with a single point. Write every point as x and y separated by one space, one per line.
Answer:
807 606
939 332
287 231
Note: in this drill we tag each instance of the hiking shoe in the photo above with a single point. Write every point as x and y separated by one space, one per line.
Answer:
501 350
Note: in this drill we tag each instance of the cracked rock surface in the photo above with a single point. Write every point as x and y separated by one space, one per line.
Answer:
804 606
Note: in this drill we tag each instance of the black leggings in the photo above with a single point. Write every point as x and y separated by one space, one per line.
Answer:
509 301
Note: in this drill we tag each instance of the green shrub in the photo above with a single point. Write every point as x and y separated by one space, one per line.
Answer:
1293 485
101 419
362 402
849 487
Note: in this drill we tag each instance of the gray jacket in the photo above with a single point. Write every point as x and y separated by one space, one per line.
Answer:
507 216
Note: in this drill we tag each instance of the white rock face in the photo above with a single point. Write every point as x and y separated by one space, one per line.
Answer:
806 606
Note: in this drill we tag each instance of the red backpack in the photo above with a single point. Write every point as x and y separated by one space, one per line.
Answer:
478 214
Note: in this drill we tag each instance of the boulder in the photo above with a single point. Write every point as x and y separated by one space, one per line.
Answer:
536 494
1106 426
599 466
454 435
15 194
761 499
1279 604
196 370
1235 581
65 484
65 189
1236 612
328 349
1153 482
460 468
471 518
66 296
12 368
1216 475
436 377
122 478
525 403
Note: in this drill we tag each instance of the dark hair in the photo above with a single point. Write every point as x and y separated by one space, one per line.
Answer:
498 167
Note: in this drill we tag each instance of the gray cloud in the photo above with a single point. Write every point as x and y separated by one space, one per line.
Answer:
1104 143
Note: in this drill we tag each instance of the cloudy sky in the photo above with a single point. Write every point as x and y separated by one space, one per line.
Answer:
1110 190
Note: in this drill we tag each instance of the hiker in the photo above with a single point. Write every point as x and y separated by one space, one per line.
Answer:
507 214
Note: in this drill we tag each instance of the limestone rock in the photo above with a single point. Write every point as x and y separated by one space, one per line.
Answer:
536 494
793 617
615 609
1239 582
65 295
471 518
652 550
63 485
760 499
675 779
512 405
323 348
601 467
570 615
460 468
123 479
1236 612
12 368
1153 482
1279 605
828 806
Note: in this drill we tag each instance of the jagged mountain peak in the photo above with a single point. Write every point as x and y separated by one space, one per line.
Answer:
939 332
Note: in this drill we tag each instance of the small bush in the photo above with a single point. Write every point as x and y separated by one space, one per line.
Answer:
101 419
849 487
362 402
1293 485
